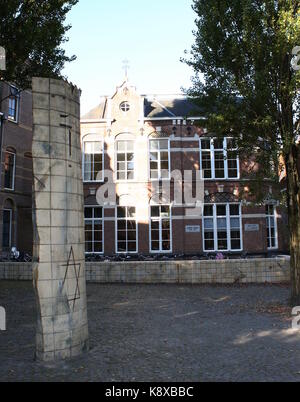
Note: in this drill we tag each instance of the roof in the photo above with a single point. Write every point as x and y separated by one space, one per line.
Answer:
97 113
176 107
154 107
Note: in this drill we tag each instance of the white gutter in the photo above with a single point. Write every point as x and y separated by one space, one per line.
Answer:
94 121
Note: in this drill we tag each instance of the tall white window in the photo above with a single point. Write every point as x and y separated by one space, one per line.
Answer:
93 220
222 227
125 160
219 159
271 224
159 159
93 161
127 234
9 169
160 229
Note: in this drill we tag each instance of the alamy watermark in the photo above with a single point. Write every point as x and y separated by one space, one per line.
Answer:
2 319
186 190
2 58
296 59
296 319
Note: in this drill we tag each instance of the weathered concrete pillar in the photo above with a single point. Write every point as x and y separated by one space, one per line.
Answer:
59 265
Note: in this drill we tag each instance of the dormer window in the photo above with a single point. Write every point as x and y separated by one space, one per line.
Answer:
125 107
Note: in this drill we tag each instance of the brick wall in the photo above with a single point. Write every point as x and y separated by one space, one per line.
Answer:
273 270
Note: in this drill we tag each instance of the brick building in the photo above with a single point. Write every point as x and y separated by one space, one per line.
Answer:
16 169
140 145
143 142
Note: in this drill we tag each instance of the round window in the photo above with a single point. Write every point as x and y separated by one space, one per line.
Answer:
125 106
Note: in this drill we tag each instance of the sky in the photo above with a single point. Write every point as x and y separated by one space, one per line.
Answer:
152 35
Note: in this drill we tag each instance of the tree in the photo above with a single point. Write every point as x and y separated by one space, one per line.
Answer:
31 31
248 89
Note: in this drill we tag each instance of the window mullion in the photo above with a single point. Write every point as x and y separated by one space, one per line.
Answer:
160 230
275 227
126 228
159 164
93 230
241 226
228 227
215 227
212 158
225 156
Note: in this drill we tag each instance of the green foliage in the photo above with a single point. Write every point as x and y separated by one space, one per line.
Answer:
243 76
32 31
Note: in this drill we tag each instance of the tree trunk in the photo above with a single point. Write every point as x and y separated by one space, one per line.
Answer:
293 181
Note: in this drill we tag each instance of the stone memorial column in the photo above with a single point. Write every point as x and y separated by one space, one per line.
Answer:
59 263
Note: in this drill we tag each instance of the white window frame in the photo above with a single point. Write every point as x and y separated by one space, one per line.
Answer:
268 226
10 226
126 152
92 162
116 230
93 231
212 159
228 228
127 106
13 173
17 107
160 251
159 159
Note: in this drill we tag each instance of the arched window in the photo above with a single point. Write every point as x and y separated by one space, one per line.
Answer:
93 160
159 158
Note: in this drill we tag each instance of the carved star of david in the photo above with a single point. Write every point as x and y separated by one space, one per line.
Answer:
72 264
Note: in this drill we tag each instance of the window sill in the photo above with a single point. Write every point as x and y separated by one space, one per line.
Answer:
223 251
225 179
161 252
161 179
13 121
93 182
128 252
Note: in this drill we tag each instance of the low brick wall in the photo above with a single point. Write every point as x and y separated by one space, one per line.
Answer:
16 271
273 270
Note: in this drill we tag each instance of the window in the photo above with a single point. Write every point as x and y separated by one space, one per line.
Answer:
271 224
93 222
160 229
159 159
125 107
222 227
219 159
93 161
125 160
13 104
6 228
126 230
9 170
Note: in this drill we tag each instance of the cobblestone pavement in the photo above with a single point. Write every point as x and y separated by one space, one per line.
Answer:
162 333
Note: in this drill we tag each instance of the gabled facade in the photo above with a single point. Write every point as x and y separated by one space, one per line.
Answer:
152 152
